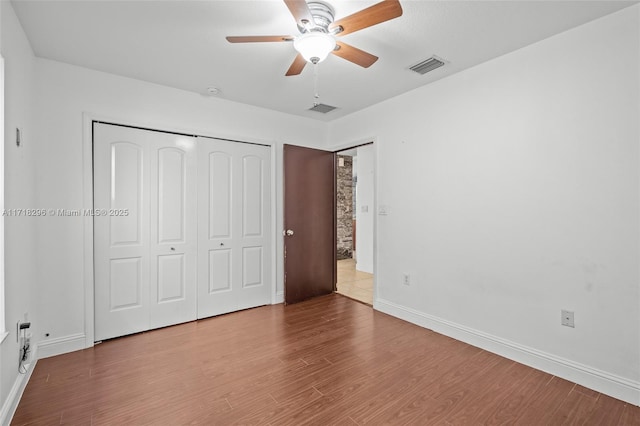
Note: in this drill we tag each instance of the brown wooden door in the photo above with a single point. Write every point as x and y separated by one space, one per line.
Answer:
309 215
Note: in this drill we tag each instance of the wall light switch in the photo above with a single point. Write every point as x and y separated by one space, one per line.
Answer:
567 319
406 279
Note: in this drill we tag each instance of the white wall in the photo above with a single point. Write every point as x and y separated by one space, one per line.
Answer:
64 93
19 192
513 190
364 198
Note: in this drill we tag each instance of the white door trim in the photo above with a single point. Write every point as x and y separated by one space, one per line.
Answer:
87 201
360 142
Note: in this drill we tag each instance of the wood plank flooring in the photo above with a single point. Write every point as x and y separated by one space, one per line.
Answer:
326 361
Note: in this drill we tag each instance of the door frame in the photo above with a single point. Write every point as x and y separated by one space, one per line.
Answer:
344 147
86 340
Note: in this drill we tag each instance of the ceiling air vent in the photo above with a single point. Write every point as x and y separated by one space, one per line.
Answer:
428 65
322 108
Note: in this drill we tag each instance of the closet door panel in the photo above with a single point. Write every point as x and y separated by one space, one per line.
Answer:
252 202
234 253
125 192
255 268
172 195
173 245
220 187
220 262
121 252
218 222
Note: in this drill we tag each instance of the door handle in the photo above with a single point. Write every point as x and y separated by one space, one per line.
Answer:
288 232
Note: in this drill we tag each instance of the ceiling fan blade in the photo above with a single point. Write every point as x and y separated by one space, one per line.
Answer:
355 55
376 14
300 11
258 39
297 66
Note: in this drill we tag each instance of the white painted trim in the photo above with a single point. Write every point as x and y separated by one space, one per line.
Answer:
15 394
349 145
376 168
374 142
87 204
87 200
61 345
274 227
162 126
601 381
2 242
3 336
279 298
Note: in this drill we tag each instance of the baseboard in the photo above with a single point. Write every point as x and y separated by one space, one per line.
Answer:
61 345
13 398
601 381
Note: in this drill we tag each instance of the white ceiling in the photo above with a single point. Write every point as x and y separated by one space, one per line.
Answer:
182 44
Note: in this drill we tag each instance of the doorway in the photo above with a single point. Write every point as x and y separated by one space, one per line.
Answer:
354 223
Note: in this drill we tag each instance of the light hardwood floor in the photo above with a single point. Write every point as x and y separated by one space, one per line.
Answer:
354 284
326 361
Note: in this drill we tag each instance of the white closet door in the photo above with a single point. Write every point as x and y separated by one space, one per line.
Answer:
173 233
121 242
145 246
234 218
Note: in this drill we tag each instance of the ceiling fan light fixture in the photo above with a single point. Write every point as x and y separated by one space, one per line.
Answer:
315 46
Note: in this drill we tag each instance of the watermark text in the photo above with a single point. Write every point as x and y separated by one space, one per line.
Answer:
65 212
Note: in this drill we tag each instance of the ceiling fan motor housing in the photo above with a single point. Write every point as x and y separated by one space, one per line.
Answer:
323 16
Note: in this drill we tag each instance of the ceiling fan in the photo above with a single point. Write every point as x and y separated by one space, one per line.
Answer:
318 32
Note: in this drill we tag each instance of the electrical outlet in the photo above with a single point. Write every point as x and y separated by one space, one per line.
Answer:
406 279
23 337
567 319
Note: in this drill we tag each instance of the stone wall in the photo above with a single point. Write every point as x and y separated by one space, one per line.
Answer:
345 206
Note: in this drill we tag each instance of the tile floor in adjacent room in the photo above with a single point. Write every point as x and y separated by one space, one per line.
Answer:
355 284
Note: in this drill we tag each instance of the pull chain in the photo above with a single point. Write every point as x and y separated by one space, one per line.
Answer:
316 95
